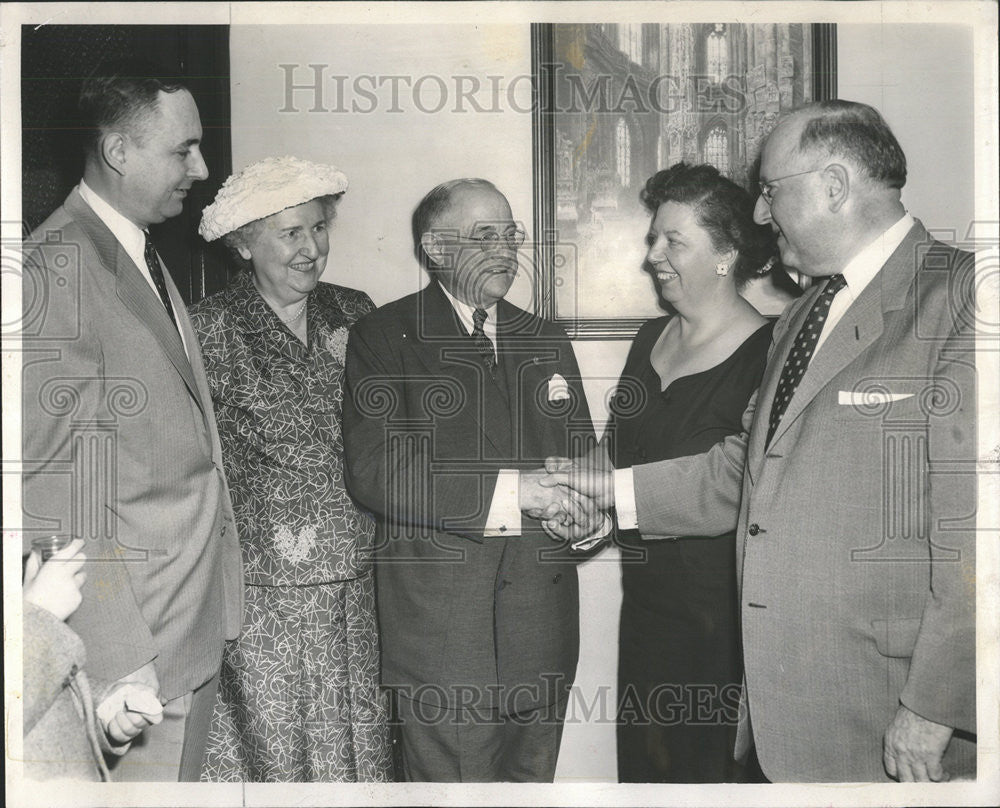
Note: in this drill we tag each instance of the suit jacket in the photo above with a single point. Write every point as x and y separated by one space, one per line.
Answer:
489 623
120 446
856 526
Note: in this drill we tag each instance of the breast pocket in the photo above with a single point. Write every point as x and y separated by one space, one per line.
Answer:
888 401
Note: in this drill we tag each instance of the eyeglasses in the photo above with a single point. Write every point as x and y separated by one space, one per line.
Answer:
767 189
490 240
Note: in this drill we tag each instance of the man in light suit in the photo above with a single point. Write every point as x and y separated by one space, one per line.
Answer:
119 439
853 484
453 397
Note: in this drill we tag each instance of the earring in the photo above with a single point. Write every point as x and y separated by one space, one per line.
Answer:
722 269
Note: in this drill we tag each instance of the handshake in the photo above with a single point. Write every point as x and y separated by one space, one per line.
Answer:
570 497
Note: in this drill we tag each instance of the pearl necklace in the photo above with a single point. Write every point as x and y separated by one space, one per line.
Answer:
297 314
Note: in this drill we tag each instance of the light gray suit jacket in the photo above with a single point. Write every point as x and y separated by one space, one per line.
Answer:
856 527
120 446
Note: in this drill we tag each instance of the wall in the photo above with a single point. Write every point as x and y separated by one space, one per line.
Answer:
403 147
918 75
921 79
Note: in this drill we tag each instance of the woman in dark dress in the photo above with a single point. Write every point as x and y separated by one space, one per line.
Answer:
685 385
299 695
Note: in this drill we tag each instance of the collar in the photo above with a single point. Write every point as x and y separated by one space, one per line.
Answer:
861 269
129 234
464 312
251 308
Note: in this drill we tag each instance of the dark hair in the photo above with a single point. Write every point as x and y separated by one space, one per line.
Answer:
433 205
119 94
857 132
721 207
243 235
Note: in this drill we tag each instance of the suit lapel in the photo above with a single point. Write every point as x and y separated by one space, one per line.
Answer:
861 325
528 364
137 295
769 383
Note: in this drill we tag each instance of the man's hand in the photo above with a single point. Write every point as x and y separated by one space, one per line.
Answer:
132 704
560 528
913 748
553 503
591 474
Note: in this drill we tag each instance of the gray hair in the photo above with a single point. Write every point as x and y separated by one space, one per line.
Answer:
246 234
433 205
858 133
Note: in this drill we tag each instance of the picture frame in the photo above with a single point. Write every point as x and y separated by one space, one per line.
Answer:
613 104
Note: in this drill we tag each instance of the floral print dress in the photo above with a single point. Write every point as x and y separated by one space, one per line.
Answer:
298 696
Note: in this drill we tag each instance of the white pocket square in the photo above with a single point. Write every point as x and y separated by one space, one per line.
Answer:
869 398
558 389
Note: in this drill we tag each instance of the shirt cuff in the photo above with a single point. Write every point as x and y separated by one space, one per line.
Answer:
505 510
625 507
596 537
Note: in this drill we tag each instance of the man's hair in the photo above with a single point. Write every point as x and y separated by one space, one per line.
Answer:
433 205
118 95
721 207
856 132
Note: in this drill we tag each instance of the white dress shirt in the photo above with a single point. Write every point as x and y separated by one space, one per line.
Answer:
504 518
129 235
861 270
858 273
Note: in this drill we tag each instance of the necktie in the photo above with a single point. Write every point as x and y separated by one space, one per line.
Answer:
483 343
802 351
156 273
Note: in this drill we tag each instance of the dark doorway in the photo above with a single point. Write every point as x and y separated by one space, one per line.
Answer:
54 61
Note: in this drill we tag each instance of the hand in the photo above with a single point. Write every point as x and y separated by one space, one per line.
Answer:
55 585
132 704
913 748
553 503
567 530
591 474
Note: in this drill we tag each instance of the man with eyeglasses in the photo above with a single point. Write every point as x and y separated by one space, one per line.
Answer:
454 399
853 485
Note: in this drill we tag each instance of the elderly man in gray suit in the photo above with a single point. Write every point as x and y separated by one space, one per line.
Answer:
120 443
853 483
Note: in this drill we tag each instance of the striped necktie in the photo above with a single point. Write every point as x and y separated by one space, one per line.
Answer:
802 351
156 273
483 343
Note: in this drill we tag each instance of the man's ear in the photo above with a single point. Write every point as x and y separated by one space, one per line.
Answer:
245 253
113 147
433 248
837 186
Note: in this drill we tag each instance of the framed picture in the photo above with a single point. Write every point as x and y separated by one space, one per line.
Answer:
615 103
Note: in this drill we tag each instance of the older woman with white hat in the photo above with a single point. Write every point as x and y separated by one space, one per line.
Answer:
299 697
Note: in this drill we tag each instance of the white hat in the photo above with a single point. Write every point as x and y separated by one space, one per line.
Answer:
265 188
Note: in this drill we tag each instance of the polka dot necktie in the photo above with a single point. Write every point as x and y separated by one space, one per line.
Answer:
483 343
156 273
802 351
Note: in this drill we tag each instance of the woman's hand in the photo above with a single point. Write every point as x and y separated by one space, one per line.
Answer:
55 585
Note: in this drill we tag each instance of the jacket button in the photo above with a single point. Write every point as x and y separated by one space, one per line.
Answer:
754 529
557 578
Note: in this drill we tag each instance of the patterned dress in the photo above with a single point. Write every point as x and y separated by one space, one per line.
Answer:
299 698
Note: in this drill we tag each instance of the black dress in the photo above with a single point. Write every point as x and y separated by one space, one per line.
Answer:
679 666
